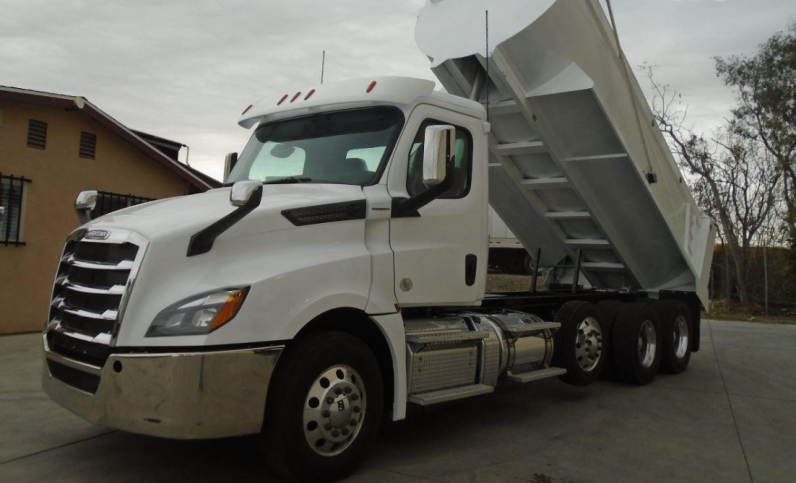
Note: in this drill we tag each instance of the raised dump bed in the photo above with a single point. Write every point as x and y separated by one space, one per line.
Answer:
577 164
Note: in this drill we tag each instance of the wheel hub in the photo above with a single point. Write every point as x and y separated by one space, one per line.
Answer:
680 337
589 344
334 410
647 341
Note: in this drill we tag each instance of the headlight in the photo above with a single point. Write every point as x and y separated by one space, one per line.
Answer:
198 315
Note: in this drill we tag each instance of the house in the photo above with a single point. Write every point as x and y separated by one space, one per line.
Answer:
52 147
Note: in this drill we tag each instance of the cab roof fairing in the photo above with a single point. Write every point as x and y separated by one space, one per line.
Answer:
392 90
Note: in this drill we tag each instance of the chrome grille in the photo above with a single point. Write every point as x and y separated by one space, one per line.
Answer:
92 283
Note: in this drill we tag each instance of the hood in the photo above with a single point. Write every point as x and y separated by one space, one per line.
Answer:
188 214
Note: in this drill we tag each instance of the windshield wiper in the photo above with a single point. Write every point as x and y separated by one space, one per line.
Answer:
290 180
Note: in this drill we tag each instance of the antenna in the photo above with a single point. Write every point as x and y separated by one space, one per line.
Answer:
487 66
323 65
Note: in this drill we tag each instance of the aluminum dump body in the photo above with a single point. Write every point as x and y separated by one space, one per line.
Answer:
572 142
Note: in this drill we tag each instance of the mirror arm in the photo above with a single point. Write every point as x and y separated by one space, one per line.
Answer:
84 215
202 241
408 207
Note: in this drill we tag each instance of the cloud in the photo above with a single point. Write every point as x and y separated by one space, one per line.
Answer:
185 69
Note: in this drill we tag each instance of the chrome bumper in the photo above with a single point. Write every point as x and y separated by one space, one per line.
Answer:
197 395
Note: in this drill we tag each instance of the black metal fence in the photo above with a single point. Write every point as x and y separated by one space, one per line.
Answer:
110 202
12 199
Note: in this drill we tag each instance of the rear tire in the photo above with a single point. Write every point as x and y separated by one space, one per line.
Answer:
636 343
608 310
326 383
578 344
676 330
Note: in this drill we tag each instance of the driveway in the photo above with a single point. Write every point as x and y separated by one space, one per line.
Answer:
731 417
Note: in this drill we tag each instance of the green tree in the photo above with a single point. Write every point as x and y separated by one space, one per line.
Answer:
766 112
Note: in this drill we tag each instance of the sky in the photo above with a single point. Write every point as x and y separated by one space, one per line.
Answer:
185 69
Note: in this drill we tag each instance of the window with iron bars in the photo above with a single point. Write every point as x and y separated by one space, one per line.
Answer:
13 191
110 202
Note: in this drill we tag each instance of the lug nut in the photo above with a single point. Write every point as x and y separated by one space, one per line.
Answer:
357 409
327 427
353 422
335 433
348 390
355 397
325 413
338 391
344 431
330 400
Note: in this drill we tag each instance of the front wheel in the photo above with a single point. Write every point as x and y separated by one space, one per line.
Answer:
324 408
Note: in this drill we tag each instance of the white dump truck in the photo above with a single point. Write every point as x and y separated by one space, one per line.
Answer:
339 275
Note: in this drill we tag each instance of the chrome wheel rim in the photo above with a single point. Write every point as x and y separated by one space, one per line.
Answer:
588 344
647 342
680 337
334 410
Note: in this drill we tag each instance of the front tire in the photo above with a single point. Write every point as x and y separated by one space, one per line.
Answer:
324 408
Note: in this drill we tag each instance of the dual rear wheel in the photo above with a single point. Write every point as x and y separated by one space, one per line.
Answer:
629 341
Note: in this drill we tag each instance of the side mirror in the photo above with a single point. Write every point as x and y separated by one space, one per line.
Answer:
229 162
242 191
84 204
440 145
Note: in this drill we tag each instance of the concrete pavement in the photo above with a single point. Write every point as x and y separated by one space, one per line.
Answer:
731 417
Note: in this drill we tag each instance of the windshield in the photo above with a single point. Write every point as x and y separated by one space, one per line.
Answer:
345 147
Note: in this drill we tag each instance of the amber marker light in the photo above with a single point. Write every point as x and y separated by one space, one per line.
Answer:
230 308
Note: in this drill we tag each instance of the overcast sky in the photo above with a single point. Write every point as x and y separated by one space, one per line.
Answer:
185 69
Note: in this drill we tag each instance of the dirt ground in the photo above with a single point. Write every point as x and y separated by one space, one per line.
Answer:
496 282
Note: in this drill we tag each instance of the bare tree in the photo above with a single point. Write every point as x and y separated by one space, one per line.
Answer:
733 179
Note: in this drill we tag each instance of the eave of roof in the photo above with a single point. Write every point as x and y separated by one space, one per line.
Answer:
81 103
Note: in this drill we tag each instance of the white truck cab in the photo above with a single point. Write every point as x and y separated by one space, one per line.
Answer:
340 273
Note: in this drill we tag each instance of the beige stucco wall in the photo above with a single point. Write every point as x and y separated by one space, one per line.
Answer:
58 175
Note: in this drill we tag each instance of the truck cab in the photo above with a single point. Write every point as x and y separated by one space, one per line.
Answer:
339 274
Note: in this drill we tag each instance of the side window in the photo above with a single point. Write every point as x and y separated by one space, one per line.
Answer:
13 192
461 164
110 202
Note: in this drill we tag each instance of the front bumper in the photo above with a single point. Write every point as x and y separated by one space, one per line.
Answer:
197 395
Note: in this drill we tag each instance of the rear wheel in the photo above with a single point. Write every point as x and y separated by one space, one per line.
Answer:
579 343
608 310
676 336
324 408
636 343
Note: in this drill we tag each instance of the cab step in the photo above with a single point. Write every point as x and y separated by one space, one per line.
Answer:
526 377
445 395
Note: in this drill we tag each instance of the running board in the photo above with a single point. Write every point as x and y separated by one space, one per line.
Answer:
526 377
445 395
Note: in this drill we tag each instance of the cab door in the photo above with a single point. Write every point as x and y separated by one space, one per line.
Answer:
440 255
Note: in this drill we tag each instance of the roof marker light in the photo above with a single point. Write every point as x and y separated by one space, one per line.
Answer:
309 94
246 110
371 86
281 100
296 96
